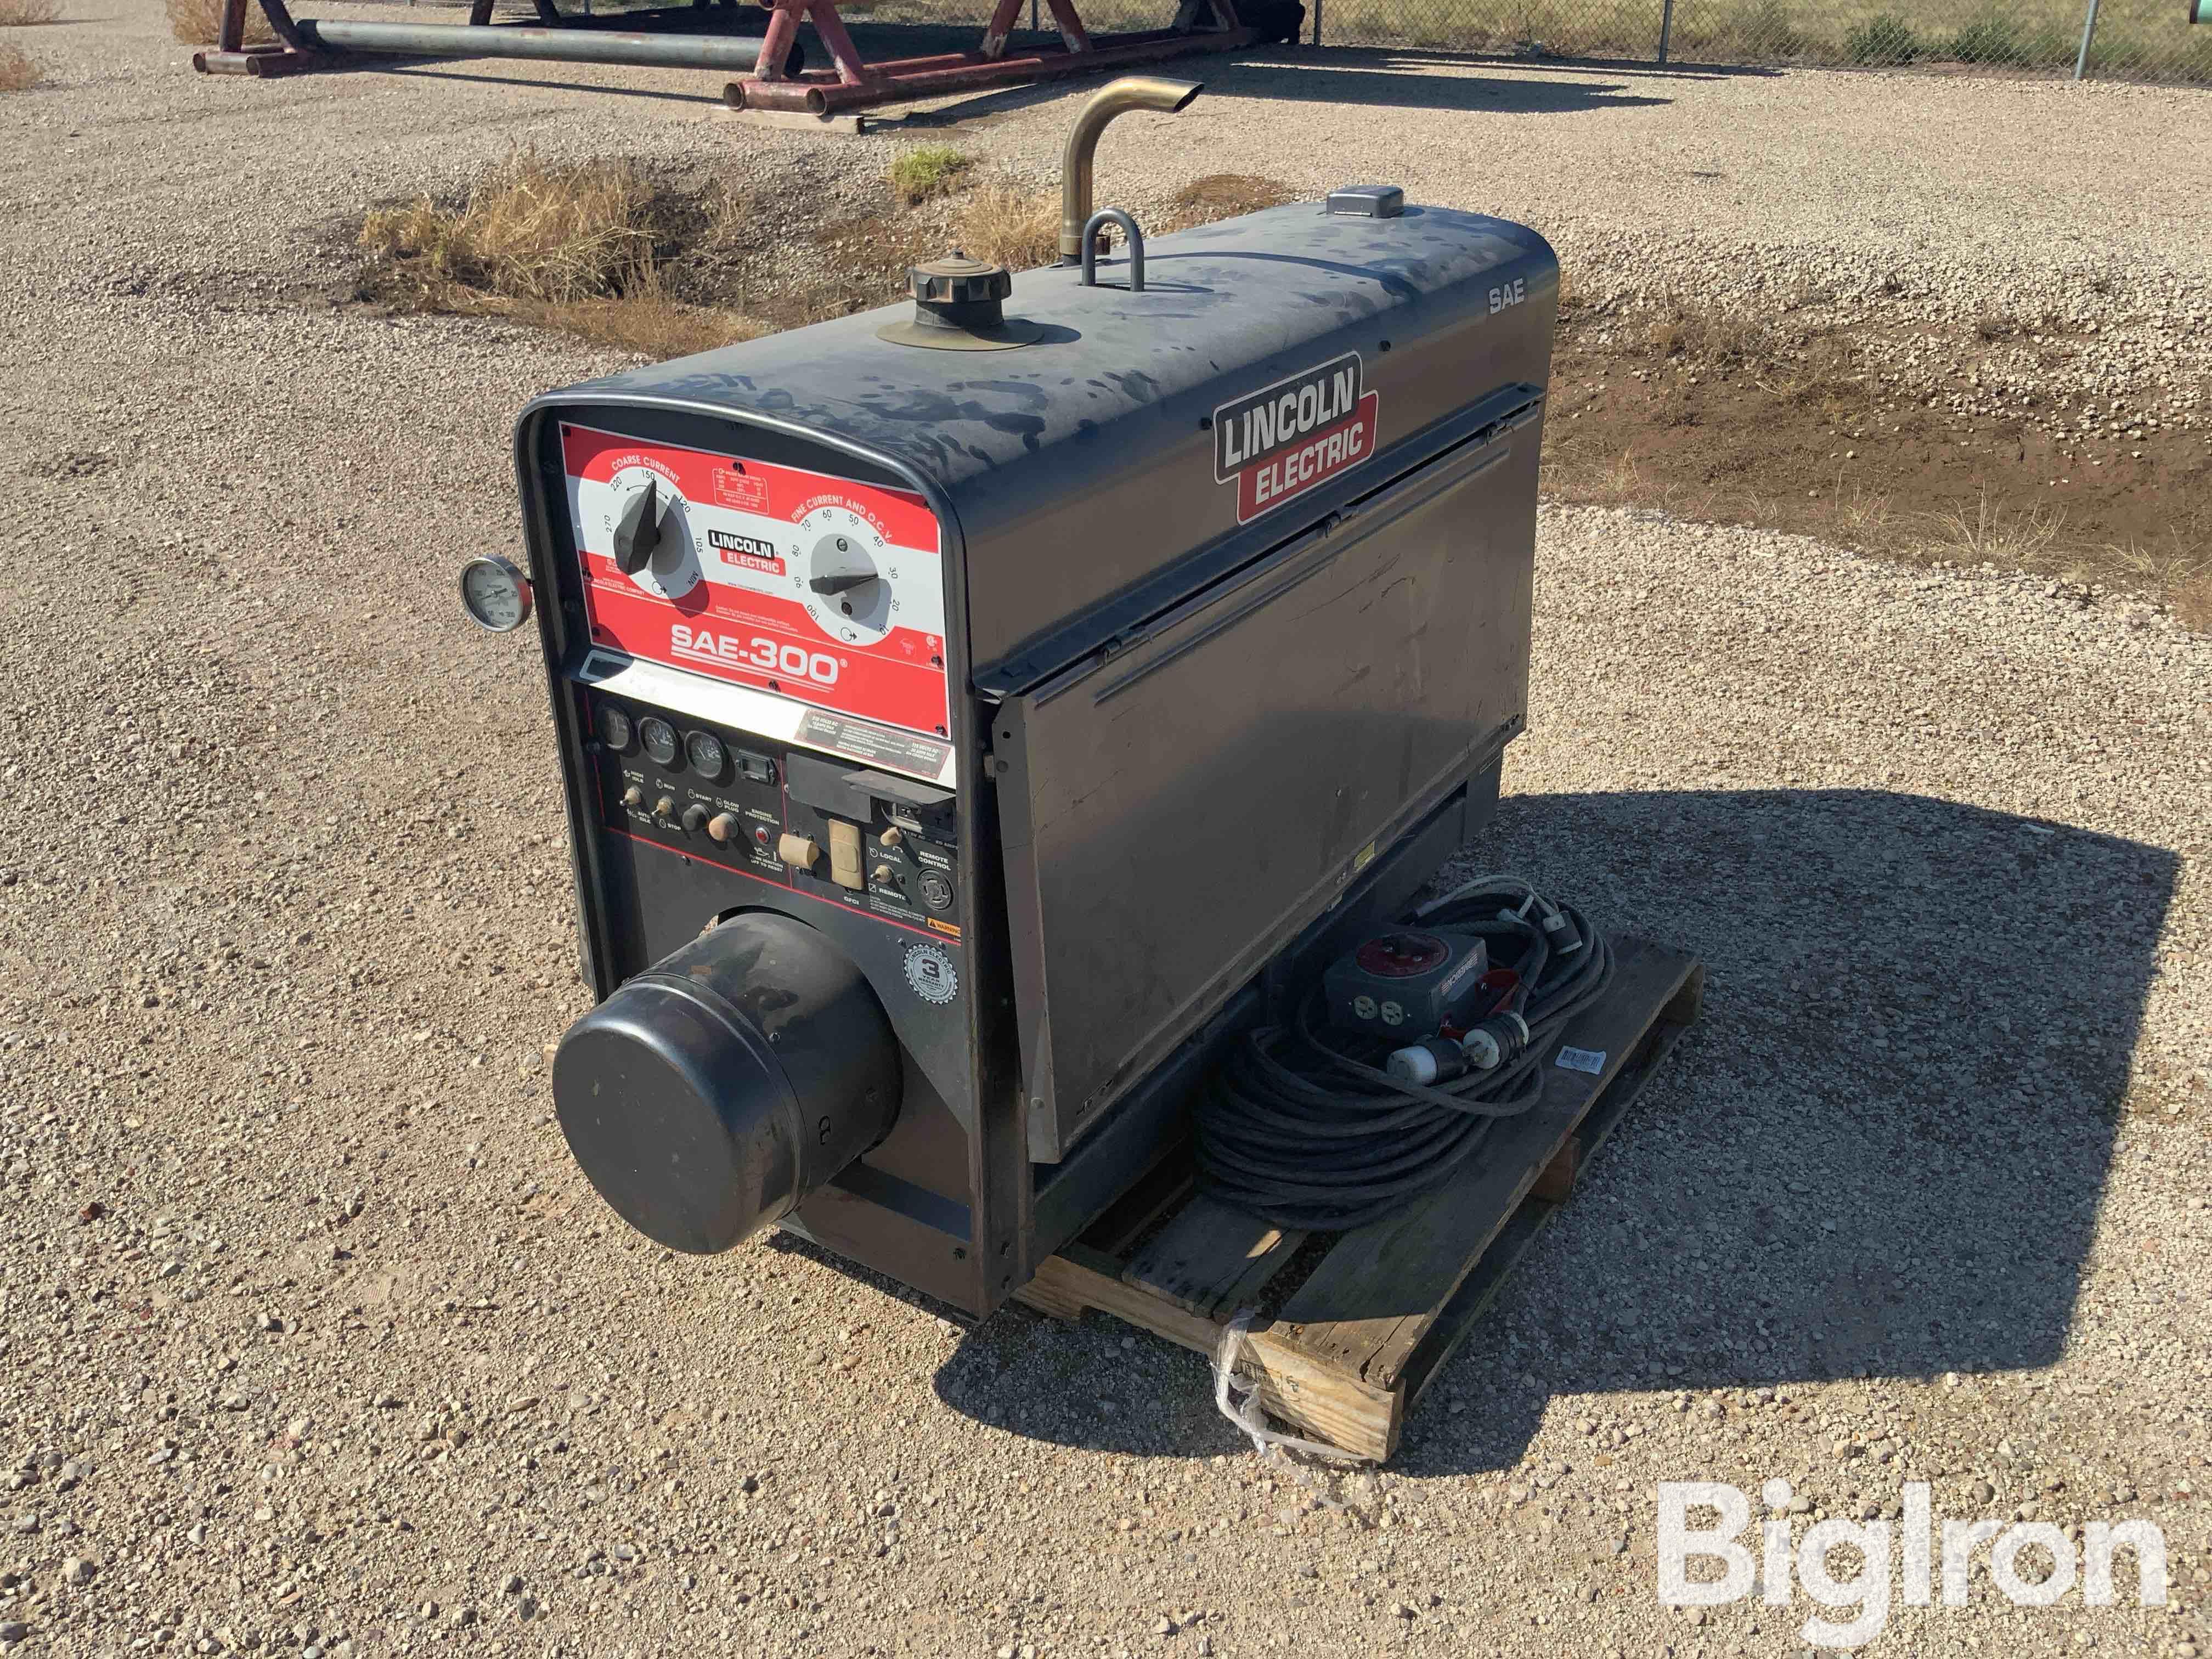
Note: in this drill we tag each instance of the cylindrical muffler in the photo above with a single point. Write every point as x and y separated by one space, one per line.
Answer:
712 1092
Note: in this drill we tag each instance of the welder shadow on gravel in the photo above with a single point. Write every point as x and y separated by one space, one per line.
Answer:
1879 1153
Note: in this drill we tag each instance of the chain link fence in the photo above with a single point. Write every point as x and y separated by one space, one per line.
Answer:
2128 39
2147 40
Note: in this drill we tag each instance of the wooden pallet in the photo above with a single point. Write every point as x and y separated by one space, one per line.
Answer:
1355 1342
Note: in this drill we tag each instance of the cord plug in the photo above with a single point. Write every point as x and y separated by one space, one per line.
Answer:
1433 1059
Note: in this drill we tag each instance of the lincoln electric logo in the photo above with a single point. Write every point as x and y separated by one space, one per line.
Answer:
730 542
749 552
1285 439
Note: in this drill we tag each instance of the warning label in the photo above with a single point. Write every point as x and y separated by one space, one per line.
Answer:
1281 442
879 745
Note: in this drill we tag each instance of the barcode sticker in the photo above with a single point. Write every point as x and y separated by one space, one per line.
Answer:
1582 1059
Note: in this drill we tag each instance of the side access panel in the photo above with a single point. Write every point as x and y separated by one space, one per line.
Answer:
1175 811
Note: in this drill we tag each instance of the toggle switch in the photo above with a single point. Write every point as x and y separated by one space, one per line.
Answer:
797 851
845 855
890 838
664 807
634 796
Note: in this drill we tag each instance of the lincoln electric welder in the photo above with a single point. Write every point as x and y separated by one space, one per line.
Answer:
977 715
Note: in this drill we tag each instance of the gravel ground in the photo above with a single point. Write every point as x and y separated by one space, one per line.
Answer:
313 1339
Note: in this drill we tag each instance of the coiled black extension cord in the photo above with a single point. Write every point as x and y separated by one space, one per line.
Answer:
1302 1125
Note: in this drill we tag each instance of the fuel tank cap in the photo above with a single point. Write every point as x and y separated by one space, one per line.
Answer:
959 305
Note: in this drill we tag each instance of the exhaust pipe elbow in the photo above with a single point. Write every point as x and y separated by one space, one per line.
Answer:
1116 98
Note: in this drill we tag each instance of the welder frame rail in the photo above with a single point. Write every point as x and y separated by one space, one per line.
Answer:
849 84
1354 1344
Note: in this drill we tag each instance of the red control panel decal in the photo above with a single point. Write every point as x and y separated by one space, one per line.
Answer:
821 589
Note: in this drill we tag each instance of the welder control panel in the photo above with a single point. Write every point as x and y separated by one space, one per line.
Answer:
824 590
868 840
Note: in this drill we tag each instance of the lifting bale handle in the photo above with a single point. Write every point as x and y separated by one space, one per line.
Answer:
1098 222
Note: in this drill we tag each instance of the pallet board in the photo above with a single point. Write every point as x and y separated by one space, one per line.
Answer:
1353 1345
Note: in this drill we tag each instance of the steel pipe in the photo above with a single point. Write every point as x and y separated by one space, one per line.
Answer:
564 46
1116 98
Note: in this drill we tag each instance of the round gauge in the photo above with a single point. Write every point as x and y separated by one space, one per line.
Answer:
615 729
708 757
659 740
647 526
496 594
848 575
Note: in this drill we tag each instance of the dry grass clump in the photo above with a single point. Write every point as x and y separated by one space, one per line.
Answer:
19 14
647 322
533 229
2011 538
2175 569
570 245
19 71
199 23
1018 229
926 170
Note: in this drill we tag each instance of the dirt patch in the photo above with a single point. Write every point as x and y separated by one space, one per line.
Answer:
1223 195
19 71
1805 426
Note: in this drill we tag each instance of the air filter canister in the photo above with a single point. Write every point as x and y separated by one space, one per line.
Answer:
712 1092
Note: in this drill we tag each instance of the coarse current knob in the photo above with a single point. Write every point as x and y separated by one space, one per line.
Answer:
710 1094
637 532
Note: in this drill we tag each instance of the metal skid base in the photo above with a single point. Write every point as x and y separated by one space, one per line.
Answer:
778 81
855 84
